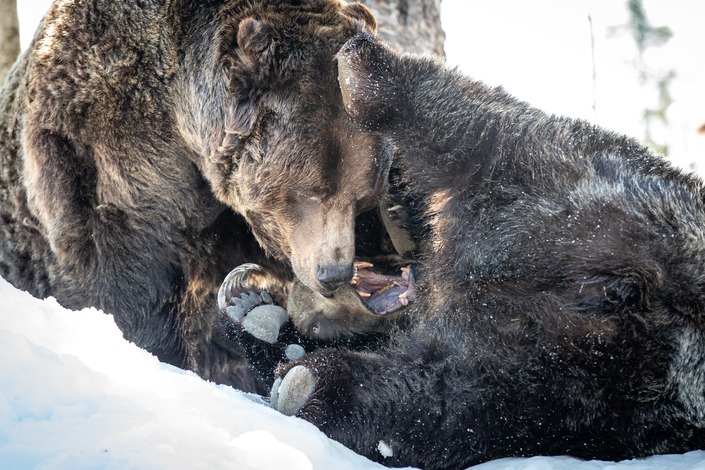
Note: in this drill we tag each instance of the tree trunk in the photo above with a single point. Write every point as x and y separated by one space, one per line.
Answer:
9 36
410 25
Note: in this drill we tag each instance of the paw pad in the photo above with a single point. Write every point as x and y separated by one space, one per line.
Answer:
264 322
291 393
254 311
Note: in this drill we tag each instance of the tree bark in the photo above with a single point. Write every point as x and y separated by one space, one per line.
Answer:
410 25
9 36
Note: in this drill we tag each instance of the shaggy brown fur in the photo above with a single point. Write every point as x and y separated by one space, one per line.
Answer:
144 144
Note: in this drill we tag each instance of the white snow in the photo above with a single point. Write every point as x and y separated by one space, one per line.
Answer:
74 394
384 449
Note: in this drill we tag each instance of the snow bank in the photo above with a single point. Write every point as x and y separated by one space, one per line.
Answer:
74 394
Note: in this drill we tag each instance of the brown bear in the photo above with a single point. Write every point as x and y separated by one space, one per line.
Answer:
561 295
149 147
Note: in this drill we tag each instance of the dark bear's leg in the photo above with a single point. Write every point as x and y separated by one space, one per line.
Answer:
262 328
384 406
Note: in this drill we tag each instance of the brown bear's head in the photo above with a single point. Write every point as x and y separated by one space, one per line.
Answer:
291 161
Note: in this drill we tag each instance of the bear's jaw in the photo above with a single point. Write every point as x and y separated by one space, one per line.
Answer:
383 293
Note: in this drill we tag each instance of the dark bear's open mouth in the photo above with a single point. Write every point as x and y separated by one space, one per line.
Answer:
384 293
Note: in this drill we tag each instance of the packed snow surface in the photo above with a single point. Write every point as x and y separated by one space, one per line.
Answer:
74 394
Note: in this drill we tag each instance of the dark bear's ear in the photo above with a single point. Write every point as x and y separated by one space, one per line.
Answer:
366 80
358 11
353 72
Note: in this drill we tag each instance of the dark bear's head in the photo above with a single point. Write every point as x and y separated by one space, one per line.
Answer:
290 160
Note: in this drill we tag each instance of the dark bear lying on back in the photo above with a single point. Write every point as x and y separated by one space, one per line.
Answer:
561 307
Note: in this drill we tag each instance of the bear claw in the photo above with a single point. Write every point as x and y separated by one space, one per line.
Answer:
234 284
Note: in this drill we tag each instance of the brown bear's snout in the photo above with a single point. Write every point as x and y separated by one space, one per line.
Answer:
333 276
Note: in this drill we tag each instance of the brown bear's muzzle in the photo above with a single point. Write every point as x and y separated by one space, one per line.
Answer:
333 276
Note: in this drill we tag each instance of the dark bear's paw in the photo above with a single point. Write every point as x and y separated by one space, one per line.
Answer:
290 393
258 317
350 396
254 311
366 79
250 319
318 387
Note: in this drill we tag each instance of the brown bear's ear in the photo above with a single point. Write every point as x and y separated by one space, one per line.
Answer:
247 55
358 11
254 37
247 52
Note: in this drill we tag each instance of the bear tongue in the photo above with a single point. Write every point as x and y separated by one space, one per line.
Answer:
384 294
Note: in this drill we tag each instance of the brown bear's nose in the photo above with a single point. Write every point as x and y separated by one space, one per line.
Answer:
332 277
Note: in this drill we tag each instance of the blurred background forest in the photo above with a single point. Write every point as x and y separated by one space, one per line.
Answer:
628 65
